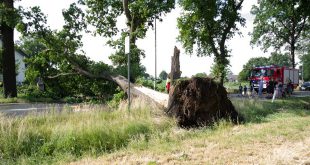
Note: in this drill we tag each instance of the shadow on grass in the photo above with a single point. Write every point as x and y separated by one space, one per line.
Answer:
257 110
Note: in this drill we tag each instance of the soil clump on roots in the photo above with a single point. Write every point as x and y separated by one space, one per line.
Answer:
199 102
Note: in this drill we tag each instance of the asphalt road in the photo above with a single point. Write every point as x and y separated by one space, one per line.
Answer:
301 93
21 109
17 109
295 94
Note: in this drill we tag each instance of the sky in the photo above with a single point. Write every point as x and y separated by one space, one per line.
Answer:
167 33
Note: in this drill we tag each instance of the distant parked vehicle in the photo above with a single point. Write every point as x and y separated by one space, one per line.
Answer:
305 86
280 74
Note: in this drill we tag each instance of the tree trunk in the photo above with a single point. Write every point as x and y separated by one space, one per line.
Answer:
175 71
8 57
293 41
293 55
122 82
222 78
175 65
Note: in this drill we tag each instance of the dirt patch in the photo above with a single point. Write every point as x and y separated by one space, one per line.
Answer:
200 101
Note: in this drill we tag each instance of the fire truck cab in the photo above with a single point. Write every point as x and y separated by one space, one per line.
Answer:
280 74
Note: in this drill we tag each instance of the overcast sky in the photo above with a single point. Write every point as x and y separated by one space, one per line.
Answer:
167 32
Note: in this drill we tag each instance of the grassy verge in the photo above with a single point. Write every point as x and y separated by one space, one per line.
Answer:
275 133
30 99
233 87
26 99
54 137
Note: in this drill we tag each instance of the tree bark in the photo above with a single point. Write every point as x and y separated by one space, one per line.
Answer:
292 51
8 56
175 72
122 82
293 54
175 65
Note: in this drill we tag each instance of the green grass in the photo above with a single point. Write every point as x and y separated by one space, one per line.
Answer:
26 99
55 137
256 111
160 84
233 87
64 137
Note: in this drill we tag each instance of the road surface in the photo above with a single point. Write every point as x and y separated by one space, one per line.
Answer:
17 109
295 94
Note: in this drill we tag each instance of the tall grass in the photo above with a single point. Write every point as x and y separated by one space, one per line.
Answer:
268 127
67 135
257 111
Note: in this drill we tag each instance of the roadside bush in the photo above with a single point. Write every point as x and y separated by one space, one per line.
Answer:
160 84
117 98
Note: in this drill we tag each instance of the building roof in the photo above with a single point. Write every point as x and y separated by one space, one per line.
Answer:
16 49
21 52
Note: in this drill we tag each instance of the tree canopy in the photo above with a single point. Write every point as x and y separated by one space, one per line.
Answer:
54 56
207 25
306 66
55 53
163 75
140 14
281 25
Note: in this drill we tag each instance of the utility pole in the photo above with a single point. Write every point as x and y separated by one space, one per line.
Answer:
127 50
155 55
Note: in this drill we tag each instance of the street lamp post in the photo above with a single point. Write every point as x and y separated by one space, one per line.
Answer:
155 56
127 51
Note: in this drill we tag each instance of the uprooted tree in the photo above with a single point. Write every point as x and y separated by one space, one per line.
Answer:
57 54
197 101
200 101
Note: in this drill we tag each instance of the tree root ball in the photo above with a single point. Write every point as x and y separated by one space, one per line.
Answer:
199 102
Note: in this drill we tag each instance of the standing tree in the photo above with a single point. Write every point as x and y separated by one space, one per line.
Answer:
306 66
202 75
279 59
257 61
163 75
208 24
275 59
281 24
216 72
8 19
139 14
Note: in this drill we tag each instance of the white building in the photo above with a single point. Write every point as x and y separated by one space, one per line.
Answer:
19 60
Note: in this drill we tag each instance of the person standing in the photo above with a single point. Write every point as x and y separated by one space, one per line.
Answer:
289 87
280 89
240 90
168 83
251 89
270 88
260 87
245 90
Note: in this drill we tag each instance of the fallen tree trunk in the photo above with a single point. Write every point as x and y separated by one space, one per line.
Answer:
122 82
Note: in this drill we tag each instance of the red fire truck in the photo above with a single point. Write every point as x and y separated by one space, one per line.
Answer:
277 73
